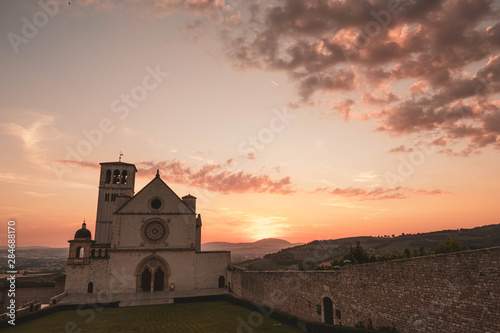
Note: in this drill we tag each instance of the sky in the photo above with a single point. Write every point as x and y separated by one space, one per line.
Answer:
292 119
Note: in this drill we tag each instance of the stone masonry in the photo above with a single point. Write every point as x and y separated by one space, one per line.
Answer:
457 292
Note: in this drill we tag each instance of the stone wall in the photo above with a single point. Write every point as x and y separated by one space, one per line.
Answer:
32 288
458 292
79 276
210 266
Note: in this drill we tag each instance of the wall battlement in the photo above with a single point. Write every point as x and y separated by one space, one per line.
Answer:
456 292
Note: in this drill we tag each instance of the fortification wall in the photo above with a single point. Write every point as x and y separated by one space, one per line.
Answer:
458 292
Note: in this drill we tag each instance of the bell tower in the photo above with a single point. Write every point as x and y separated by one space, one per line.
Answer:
116 184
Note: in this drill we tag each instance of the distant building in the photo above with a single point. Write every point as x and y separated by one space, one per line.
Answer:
147 242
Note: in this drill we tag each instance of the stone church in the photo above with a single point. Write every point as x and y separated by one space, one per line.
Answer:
144 242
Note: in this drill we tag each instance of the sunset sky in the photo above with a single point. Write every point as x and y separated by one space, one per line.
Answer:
292 119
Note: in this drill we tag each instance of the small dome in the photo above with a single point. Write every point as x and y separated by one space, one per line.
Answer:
83 232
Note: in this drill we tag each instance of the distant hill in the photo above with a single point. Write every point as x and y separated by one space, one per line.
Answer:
318 252
36 252
246 251
36 259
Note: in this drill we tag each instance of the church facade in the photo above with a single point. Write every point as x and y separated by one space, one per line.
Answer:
144 242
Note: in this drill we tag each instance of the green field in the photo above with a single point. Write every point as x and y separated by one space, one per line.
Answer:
202 317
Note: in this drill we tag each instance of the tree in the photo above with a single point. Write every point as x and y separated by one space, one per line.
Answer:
357 254
407 253
450 245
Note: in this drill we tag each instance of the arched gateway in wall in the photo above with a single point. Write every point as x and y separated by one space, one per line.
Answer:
327 310
152 274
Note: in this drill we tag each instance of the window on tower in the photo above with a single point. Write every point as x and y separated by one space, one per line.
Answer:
124 177
113 197
116 177
106 197
108 176
80 252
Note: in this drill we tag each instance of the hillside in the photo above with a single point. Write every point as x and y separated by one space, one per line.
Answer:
36 259
246 251
318 252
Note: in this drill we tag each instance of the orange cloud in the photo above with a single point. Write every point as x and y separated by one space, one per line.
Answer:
378 193
217 177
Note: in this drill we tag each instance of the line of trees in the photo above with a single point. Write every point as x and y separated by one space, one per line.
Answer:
358 255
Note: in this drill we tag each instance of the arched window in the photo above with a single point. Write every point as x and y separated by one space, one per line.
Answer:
106 253
116 177
108 176
124 176
146 280
222 281
90 288
100 253
80 252
92 254
159 279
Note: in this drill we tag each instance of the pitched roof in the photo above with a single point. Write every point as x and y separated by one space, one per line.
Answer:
172 202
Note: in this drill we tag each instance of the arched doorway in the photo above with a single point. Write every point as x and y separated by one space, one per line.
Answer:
222 281
152 274
327 311
146 280
90 288
159 279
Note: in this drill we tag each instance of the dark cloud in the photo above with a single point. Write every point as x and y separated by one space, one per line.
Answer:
329 82
343 46
337 47
492 122
439 141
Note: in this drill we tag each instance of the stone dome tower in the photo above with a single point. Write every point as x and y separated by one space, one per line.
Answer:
80 246
83 233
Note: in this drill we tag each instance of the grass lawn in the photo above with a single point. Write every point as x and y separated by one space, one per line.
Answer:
202 317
